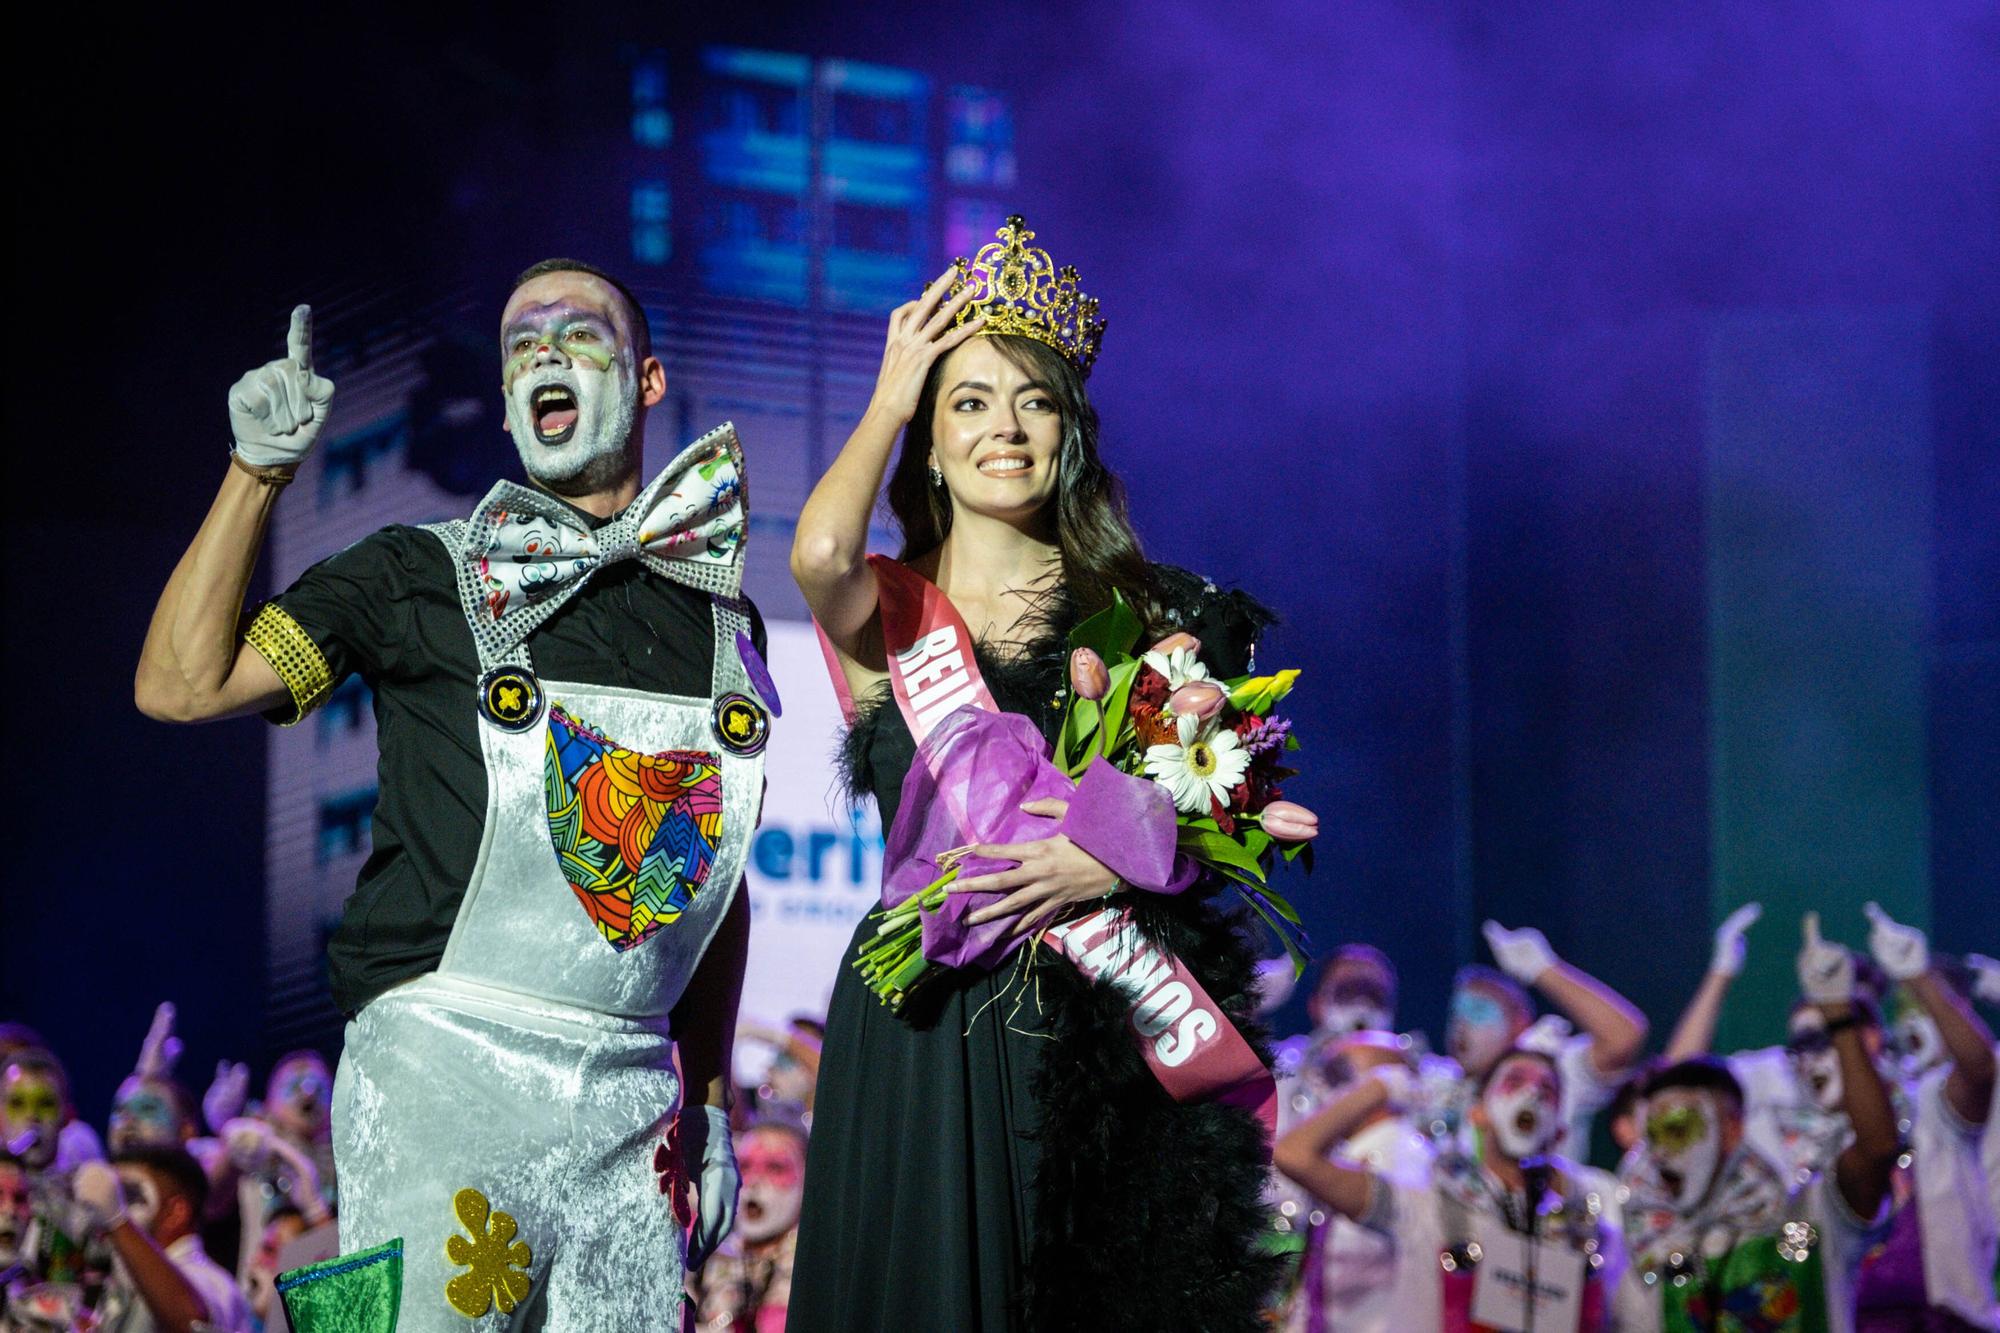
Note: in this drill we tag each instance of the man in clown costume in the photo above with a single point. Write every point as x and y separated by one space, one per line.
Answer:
542 957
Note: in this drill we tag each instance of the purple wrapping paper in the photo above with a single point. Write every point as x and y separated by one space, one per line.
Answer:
1128 824
973 773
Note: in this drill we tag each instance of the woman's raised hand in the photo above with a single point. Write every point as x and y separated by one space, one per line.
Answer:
920 332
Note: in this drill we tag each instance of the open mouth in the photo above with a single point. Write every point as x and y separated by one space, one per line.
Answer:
1527 1122
555 414
753 1211
1673 1180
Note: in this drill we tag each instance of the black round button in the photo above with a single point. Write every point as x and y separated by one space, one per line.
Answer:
741 724
510 698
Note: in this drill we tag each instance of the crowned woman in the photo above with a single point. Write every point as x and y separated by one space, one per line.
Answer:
997 1153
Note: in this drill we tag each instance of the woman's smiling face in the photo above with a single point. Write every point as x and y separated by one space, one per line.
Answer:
996 434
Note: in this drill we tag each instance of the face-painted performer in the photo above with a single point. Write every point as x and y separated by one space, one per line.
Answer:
572 709
34 1107
1448 1232
1718 1229
748 1284
149 1112
1594 1039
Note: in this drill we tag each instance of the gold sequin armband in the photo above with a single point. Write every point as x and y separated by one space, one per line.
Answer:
281 641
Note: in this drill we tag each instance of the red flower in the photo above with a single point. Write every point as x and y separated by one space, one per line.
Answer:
1150 688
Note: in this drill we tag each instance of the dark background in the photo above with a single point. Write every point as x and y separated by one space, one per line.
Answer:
1409 307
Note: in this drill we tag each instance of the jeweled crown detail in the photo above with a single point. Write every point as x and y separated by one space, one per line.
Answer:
1021 291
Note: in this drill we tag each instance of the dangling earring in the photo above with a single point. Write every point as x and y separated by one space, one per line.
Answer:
937 477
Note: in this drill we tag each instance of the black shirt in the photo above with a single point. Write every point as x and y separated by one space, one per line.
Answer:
387 607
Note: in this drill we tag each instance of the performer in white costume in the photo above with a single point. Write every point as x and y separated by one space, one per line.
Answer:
571 708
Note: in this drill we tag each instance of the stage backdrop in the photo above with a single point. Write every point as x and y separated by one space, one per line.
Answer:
815 863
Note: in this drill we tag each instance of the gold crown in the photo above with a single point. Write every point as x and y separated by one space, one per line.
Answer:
1021 291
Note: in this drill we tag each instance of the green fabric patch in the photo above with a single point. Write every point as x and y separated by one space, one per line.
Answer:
349 1293
1752 1289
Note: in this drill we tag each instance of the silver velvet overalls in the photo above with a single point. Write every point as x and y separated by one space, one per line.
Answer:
531 1074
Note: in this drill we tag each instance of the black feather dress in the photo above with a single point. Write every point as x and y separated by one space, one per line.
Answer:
998 1156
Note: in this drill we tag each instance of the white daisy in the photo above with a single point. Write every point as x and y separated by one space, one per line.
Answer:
1206 764
1179 667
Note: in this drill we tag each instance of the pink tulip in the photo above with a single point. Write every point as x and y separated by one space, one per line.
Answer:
1198 698
1087 675
1180 639
1288 821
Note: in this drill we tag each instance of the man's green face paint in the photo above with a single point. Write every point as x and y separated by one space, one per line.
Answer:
1676 1129
580 335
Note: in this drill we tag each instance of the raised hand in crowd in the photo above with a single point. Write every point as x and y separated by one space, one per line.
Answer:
1694 1034
223 1101
1614 1024
1864 1168
1904 953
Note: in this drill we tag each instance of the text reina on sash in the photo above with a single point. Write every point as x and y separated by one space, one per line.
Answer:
934 672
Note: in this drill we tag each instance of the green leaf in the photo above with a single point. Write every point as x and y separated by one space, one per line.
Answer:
1112 633
1122 677
1220 850
1078 727
1292 939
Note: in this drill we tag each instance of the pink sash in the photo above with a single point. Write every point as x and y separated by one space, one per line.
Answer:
1188 1042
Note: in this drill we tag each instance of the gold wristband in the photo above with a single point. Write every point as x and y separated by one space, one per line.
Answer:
276 474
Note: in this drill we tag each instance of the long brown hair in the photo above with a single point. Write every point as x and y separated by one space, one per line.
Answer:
1099 549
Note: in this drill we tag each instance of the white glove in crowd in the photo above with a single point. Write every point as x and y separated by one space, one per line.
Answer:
1727 959
1826 968
98 1197
1522 954
1903 951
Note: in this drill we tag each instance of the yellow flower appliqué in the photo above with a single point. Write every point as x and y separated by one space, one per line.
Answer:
490 1259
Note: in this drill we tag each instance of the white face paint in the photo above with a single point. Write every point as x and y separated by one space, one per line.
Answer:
142 1199
1814 1061
590 453
1919 1044
1683 1137
571 383
1523 1109
1337 1020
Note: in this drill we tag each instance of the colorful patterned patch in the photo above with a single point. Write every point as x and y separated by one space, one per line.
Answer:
635 834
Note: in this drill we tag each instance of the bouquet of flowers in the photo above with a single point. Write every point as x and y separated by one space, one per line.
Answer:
1218 747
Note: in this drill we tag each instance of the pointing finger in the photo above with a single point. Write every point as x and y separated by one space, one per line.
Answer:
1876 916
1811 923
299 342
1743 917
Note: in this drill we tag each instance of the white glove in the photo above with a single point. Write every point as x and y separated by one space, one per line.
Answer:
1399 1085
249 1141
1826 969
1273 983
1546 1035
1727 960
223 1101
161 1050
1903 951
98 1196
709 1151
1985 977
1523 954
276 410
